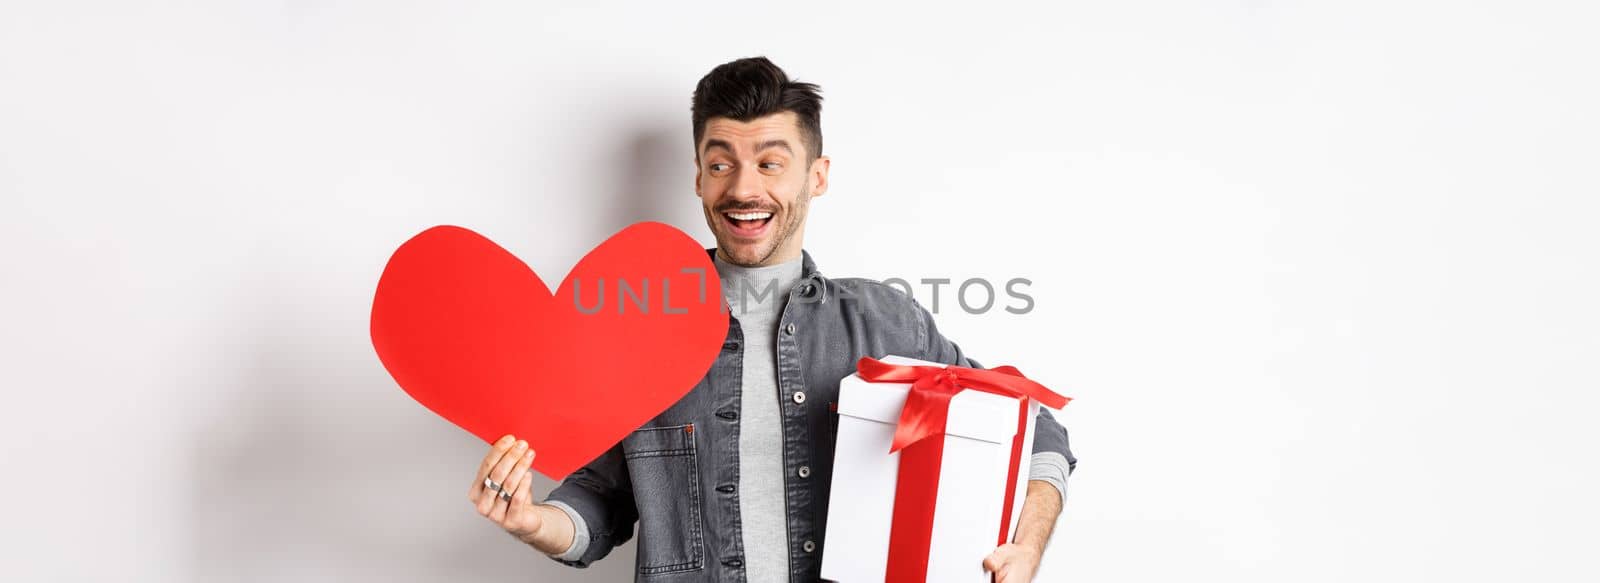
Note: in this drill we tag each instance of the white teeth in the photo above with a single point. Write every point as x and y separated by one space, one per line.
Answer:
750 216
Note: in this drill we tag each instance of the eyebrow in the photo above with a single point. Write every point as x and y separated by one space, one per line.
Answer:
779 143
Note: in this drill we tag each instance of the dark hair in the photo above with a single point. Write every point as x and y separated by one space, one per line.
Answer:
746 89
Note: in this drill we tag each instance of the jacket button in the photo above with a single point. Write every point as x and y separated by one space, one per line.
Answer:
809 546
799 396
804 471
725 488
728 415
807 289
735 563
789 329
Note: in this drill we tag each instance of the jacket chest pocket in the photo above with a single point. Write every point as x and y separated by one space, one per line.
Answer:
666 484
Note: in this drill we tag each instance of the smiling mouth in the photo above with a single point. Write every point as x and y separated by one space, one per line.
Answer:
748 224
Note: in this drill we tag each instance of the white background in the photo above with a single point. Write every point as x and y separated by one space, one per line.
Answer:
1321 276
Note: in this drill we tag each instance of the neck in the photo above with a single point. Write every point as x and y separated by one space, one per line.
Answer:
774 259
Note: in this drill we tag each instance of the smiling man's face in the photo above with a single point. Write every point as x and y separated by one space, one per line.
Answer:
755 186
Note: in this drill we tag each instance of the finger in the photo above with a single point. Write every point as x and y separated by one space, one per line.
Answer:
502 503
524 485
486 503
992 563
999 566
496 450
521 511
522 479
483 496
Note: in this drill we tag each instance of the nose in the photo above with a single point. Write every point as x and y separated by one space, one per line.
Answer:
747 184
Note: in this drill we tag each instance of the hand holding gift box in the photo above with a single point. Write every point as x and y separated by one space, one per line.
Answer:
927 469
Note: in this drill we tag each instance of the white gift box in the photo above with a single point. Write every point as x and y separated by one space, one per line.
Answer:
978 458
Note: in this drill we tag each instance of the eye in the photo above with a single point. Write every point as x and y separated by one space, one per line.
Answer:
717 166
772 165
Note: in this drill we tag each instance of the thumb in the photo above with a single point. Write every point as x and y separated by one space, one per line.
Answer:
521 516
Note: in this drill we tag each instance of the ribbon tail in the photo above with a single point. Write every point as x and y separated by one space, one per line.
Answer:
924 414
1007 380
916 495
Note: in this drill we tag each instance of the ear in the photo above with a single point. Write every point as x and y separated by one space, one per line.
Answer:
819 176
697 177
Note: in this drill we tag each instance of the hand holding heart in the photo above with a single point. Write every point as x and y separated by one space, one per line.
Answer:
506 465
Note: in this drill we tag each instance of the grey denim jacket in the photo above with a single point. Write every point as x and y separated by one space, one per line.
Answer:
677 476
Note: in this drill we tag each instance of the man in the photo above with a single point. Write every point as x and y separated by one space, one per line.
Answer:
731 483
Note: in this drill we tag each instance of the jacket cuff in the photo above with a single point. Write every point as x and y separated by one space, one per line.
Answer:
580 533
1052 468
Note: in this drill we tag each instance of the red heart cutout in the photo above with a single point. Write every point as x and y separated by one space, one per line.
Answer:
473 334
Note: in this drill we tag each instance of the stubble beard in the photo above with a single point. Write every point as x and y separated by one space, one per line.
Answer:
784 233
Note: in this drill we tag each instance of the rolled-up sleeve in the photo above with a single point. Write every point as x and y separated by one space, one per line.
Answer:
599 499
580 533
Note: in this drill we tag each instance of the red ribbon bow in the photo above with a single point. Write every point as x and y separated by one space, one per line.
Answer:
927 406
924 415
